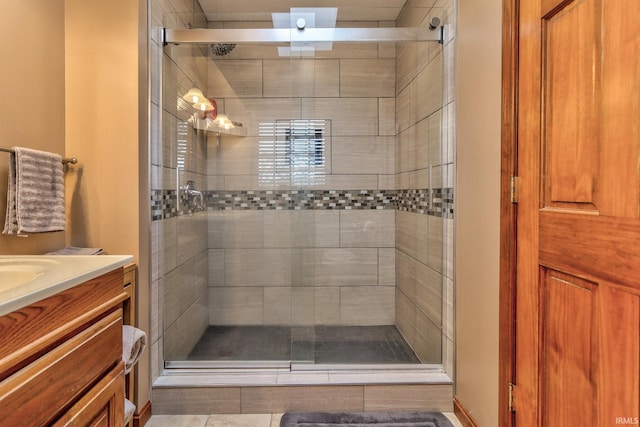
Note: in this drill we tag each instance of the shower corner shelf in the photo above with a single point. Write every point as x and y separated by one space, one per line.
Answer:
209 126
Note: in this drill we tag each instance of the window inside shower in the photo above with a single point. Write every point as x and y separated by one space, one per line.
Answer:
325 238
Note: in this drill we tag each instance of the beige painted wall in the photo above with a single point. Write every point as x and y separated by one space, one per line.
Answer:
102 123
478 207
31 97
103 130
84 105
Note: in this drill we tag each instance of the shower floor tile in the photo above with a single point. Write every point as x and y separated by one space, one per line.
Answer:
319 344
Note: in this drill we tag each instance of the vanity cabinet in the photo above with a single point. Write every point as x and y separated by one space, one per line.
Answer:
61 358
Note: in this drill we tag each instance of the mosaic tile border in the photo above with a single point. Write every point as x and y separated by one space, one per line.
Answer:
164 203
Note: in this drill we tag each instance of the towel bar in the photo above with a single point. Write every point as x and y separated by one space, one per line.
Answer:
65 160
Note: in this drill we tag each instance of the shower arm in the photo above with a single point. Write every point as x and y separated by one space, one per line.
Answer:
307 35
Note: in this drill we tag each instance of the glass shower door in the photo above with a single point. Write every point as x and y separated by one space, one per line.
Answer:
323 233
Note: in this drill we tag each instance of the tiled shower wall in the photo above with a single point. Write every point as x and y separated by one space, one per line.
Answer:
330 258
178 153
424 157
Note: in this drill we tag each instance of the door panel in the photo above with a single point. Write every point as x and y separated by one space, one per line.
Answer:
571 106
577 358
567 357
618 317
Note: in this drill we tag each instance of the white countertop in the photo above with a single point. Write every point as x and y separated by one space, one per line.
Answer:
26 279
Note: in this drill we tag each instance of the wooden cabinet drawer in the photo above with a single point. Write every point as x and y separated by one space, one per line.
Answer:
103 405
31 396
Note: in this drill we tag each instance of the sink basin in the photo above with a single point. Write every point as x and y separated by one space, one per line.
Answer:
17 272
26 279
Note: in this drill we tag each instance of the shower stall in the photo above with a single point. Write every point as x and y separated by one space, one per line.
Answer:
302 201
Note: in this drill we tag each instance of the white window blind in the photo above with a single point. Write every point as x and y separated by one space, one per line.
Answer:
293 152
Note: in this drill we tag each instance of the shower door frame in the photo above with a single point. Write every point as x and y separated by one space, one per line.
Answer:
269 36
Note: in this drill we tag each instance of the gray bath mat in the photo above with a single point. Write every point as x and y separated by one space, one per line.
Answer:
363 419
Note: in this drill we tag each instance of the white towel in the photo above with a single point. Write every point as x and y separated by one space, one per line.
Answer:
134 342
35 196
129 410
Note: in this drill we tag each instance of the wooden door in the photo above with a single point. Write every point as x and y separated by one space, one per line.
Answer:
578 229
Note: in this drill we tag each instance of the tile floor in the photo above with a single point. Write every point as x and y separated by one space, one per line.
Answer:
226 420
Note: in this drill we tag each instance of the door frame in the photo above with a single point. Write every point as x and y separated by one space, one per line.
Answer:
508 165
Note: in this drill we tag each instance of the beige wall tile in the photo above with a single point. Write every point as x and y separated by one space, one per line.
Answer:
277 306
234 79
282 399
367 228
387 182
428 94
406 65
182 287
349 116
167 244
367 77
350 50
346 267
435 256
327 229
302 306
216 267
424 244
431 397
406 275
235 229
424 176
428 344
289 229
215 182
301 78
286 78
308 261
263 267
327 306
428 291
191 236
406 227
405 319
348 182
363 155
403 109
387 116
386 50
236 306
235 156
406 147
435 138
245 182
327 78
413 14
253 111
387 266
195 401
367 305
422 145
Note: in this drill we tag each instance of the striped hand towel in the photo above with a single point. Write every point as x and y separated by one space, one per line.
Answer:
35 196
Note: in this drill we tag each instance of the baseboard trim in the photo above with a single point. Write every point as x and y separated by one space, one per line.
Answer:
141 417
463 415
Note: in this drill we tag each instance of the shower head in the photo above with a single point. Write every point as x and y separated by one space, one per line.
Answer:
221 49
